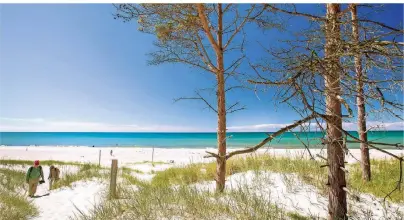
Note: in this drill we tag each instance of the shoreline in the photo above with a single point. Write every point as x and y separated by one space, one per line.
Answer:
180 140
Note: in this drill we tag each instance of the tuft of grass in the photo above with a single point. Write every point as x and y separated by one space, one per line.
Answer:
188 174
13 204
127 169
147 161
385 175
8 162
297 216
183 202
11 180
86 171
132 180
308 170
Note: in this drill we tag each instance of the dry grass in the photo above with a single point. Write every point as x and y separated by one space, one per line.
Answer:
13 203
385 175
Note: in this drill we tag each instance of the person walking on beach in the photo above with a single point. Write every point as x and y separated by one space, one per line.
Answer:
53 175
32 178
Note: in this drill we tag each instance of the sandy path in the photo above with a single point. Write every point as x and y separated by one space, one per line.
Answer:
61 203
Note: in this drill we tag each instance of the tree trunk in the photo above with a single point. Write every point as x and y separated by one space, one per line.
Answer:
360 100
337 206
221 108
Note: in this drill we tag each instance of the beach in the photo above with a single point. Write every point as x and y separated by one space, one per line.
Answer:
84 195
128 156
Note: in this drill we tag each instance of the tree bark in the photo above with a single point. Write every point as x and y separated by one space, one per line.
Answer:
337 206
360 100
221 108
217 46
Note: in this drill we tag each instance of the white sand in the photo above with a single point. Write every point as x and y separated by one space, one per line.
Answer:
60 204
131 156
125 156
290 193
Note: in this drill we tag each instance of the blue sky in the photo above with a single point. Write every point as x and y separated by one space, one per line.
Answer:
75 68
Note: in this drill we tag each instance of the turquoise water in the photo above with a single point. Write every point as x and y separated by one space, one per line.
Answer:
175 140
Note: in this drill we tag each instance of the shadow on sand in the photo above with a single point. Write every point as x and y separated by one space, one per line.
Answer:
39 196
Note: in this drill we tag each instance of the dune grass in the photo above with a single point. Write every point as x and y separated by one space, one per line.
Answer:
132 180
169 194
149 162
127 169
15 206
12 180
163 202
13 203
86 171
8 162
385 175
308 170
158 198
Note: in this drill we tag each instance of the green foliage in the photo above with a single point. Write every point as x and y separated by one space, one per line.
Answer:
169 22
385 175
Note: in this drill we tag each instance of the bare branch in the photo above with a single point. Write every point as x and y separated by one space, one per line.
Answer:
199 97
305 145
240 27
271 137
380 24
313 17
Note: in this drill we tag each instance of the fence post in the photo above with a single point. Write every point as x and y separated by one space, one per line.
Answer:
114 172
99 158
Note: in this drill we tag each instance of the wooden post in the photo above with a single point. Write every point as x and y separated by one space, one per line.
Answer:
99 158
114 172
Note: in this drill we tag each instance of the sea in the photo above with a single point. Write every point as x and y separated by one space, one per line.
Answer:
180 140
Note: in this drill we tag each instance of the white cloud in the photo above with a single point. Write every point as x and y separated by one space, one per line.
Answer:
350 126
38 124
32 125
258 127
